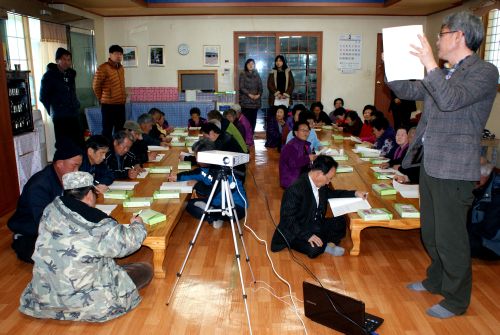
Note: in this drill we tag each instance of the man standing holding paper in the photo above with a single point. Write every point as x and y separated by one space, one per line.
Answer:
457 104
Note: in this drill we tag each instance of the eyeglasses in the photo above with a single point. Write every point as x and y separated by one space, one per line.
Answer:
441 34
304 130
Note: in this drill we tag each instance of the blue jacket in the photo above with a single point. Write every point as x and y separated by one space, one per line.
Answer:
101 173
58 92
40 190
207 176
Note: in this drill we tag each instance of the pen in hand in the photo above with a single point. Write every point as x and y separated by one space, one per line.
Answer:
138 213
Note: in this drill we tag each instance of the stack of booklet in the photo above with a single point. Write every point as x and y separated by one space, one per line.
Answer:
373 214
118 194
384 189
138 202
379 160
184 165
345 169
160 169
166 194
157 148
327 127
151 217
339 137
179 186
178 144
407 211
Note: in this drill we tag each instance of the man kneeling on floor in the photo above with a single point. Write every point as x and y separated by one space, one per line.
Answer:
303 209
75 276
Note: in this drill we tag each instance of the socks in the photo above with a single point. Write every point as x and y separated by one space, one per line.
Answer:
416 286
334 249
440 312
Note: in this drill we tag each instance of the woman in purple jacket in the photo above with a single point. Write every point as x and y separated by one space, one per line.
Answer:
296 155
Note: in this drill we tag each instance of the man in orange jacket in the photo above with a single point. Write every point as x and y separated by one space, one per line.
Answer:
109 88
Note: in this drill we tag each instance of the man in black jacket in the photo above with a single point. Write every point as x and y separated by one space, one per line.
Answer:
120 160
40 190
58 95
96 148
303 208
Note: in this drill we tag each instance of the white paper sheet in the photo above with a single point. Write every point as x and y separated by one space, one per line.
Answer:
123 185
106 208
157 148
284 101
377 169
406 190
399 63
341 206
182 186
158 158
143 174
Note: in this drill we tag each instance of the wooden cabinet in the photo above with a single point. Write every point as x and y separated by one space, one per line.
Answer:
9 189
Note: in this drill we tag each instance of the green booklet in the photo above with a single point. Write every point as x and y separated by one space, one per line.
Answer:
343 157
178 144
384 175
118 194
338 137
160 169
373 214
184 165
151 217
138 202
384 189
327 127
407 211
344 169
167 194
324 143
379 160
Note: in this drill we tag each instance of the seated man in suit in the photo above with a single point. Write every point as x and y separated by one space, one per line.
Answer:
43 187
120 160
303 226
96 148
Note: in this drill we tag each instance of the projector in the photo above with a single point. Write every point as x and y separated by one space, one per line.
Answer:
222 158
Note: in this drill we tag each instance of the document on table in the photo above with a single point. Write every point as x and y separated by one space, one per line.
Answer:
406 190
158 158
341 206
399 63
378 169
143 174
123 185
106 208
157 148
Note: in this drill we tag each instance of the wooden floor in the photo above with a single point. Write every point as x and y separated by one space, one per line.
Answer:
208 299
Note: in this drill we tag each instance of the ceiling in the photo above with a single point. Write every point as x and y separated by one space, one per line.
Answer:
110 8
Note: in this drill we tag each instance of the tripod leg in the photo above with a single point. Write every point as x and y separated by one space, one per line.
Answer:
240 234
193 240
226 192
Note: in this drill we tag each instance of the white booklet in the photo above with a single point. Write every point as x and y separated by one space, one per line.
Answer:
341 206
407 190
399 63
123 185
378 169
106 208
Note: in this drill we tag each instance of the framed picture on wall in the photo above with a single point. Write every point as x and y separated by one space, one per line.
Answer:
129 57
211 55
156 55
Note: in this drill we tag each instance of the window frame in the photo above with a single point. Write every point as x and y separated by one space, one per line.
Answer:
485 18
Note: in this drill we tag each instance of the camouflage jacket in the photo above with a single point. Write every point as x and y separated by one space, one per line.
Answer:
75 276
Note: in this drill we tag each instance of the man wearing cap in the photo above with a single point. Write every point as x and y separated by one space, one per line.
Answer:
120 160
58 95
141 141
38 192
75 276
109 88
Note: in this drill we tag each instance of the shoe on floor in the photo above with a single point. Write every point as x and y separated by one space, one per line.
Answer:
440 312
334 250
416 286
200 204
217 224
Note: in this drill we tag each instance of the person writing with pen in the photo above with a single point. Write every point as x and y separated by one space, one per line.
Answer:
120 160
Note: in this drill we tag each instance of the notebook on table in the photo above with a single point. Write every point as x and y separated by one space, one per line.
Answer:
318 308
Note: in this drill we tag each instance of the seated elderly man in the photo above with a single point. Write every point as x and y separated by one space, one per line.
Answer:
96 148
483 224
120 160
303 226
141 142
43 187
75 276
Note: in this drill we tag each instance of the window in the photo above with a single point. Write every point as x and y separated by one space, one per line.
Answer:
302 51
492 44
16 43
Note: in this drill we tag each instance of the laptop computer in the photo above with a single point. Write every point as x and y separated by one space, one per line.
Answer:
318 308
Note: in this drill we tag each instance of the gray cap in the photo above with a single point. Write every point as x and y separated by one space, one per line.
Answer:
132 125
236 108
77 179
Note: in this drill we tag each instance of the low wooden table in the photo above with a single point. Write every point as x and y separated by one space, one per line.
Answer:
362 179
158 234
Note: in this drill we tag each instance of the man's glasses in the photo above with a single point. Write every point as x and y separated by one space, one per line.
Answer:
441 34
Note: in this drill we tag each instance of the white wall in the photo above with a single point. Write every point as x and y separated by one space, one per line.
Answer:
356 89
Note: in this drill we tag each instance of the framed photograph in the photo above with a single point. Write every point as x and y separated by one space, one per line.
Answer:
129 57
156 55
211 55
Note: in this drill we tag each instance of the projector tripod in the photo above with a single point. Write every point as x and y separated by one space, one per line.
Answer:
227 208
